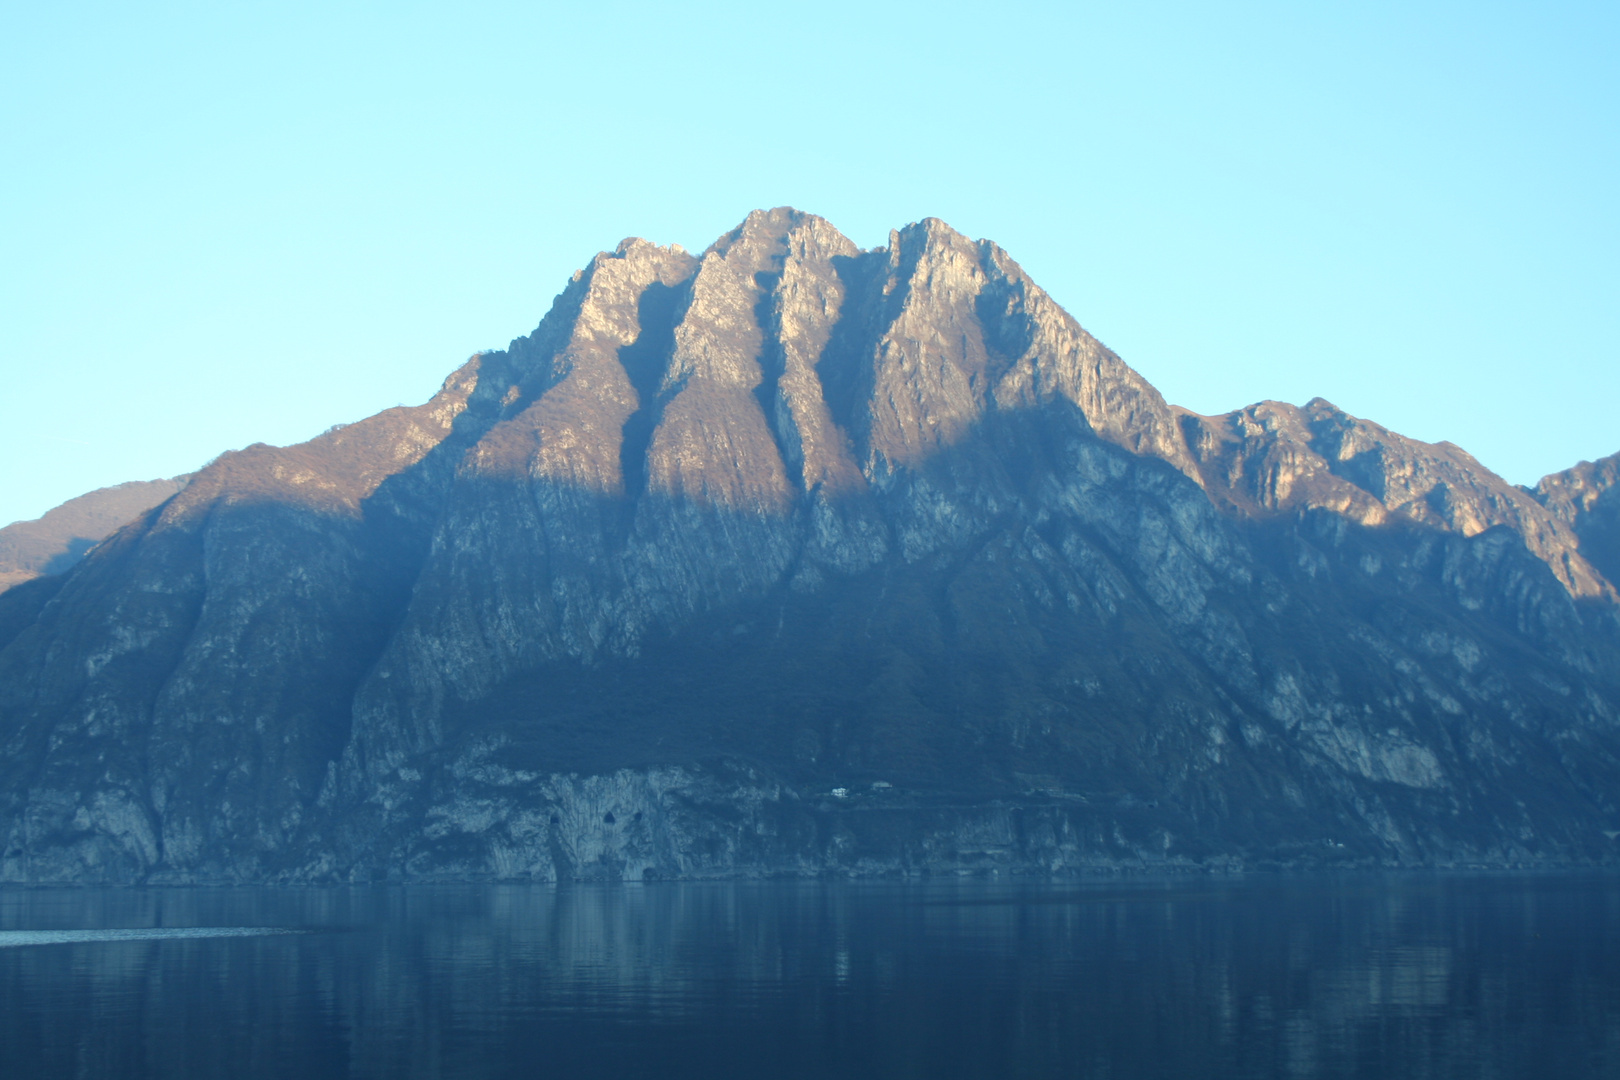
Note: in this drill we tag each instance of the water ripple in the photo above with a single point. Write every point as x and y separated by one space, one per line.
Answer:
15 938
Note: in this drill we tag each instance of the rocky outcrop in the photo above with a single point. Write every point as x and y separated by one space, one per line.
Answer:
1275 458
1587 500
796 558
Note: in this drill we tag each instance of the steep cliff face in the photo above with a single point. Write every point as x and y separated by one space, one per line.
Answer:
791 557
1587 500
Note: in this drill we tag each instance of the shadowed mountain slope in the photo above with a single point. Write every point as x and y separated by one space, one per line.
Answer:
795 558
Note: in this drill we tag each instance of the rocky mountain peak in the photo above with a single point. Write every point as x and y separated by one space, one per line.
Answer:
785 360
765 231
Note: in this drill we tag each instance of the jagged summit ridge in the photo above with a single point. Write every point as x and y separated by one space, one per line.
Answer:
862 362
1273 457
728 530
858 360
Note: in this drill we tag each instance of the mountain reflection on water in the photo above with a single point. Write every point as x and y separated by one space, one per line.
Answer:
1399 976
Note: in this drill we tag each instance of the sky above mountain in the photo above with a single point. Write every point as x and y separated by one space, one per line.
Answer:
229 224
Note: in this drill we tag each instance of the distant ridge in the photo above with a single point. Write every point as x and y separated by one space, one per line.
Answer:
52 544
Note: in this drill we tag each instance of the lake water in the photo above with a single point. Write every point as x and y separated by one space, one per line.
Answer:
1374 976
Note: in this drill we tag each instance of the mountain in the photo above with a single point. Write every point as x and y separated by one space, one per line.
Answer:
54 543
794 558
1587 500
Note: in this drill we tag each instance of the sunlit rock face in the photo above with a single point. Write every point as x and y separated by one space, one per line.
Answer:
791 557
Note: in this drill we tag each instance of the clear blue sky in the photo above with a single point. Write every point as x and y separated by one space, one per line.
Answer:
223 223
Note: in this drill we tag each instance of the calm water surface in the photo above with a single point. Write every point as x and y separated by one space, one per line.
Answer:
1406 976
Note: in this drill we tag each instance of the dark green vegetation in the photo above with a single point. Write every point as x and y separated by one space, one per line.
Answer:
799 559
